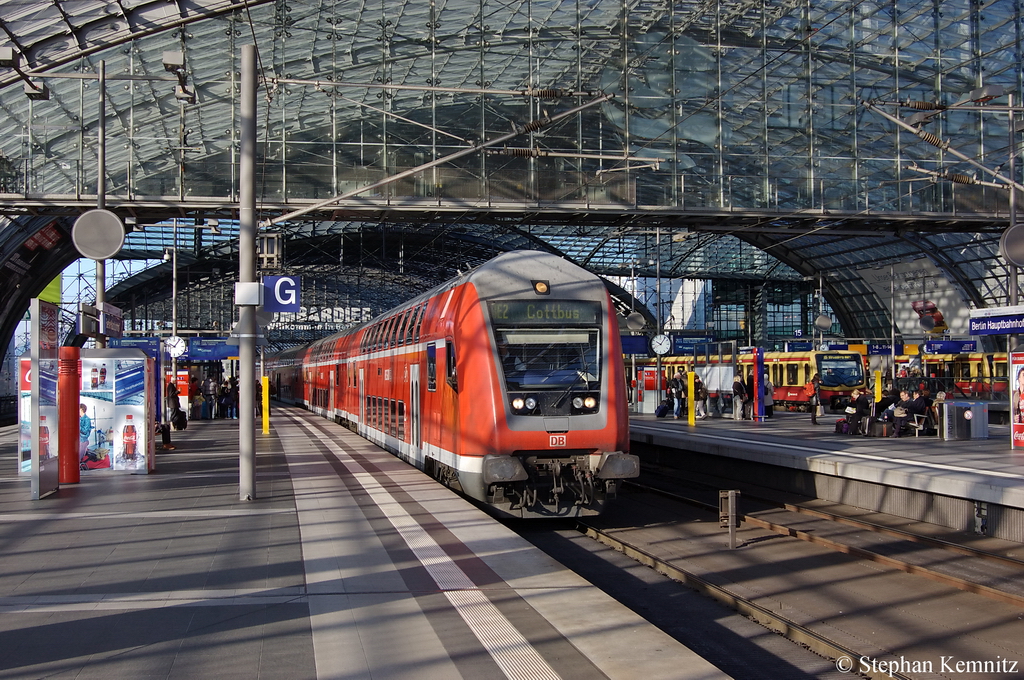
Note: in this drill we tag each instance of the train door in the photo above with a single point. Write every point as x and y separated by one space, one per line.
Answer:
414 409
330 393
449 399
362 400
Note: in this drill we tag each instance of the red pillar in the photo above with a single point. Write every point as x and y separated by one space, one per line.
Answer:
69 383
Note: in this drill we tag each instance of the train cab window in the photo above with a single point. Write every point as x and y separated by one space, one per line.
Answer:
549 358
431 367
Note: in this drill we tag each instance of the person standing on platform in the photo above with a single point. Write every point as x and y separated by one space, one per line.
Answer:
769 397
700 395
210 397
748 405
813 392
739 397
678 386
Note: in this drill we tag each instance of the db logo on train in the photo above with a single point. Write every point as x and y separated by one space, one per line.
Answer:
556 440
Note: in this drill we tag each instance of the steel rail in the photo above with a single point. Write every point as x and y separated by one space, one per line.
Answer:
917 570
768 618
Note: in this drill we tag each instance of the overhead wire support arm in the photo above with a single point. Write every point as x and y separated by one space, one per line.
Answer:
547 93
934 140
517 130
955 177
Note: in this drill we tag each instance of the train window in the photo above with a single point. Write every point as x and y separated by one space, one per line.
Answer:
401 420
793 374
449 366
392 418
419 321
402 325
396 329
385 420
431 367
393 331
413 313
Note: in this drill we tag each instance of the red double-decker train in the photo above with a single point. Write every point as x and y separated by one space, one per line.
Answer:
504 383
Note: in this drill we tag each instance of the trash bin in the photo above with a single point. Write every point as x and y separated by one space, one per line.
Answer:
963 419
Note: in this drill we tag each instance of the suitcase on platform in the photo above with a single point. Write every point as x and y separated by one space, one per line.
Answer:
878 428
842 426
661 411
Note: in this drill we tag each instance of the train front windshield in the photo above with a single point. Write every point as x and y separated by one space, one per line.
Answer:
548 358
841 370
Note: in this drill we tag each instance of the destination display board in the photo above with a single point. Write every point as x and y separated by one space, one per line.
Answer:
547 312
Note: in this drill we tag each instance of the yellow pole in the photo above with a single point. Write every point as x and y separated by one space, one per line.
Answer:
265 396
878 386
691 407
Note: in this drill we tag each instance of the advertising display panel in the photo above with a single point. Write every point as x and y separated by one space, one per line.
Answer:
119 408
45 474
96 413
1017 400
25 415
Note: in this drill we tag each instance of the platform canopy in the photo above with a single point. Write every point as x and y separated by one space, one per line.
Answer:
738 140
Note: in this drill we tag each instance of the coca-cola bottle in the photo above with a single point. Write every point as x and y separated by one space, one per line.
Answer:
44 438
129 437
103 374
94 378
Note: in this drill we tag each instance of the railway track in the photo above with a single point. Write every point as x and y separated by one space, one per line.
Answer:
844 655
937 575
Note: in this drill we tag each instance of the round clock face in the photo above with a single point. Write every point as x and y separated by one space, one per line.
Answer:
661 344
176 346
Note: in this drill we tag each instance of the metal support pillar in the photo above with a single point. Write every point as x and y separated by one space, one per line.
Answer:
247 274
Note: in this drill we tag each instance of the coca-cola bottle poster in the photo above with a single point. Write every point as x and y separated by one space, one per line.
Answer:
130 433
1017 399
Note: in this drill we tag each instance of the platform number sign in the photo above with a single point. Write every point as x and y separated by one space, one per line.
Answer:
282 293
556 440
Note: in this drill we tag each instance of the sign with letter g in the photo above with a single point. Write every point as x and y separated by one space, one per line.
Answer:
282 293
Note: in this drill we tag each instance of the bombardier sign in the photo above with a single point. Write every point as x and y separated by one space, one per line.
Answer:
282 293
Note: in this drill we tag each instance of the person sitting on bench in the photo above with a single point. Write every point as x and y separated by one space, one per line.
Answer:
859 401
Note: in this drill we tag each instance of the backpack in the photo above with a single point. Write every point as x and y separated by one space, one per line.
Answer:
809 390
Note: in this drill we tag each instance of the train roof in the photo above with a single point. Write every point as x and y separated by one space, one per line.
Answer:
509 273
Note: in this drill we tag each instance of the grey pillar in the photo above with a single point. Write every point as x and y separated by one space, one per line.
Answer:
247 274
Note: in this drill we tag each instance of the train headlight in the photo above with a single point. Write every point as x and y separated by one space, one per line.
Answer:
577 402
590 402
530 403
518 403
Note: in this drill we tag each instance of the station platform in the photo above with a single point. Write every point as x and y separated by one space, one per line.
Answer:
348 564
968 485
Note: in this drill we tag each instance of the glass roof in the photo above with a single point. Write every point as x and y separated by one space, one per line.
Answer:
736 143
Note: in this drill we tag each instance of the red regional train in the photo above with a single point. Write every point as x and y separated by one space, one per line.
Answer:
504 383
